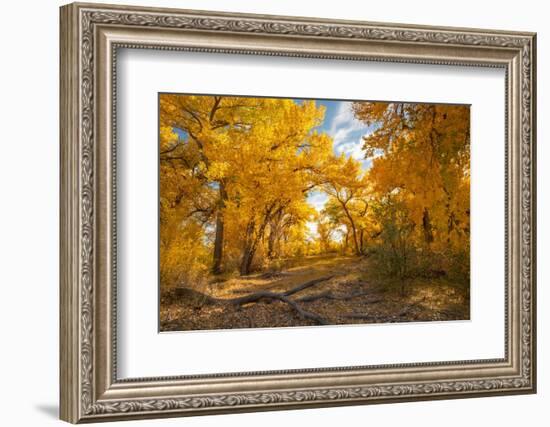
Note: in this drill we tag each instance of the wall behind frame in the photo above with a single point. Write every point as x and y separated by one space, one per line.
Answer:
29 181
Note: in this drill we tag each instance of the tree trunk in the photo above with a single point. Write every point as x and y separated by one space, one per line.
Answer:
246 260
271 243
352 224
252 241
274 234
427 226
218 240
353 232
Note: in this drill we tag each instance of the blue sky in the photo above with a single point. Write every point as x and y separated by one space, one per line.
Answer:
347 133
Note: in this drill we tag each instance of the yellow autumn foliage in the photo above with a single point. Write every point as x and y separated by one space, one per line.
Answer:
235 174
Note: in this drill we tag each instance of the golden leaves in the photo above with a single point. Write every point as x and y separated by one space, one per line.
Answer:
246 166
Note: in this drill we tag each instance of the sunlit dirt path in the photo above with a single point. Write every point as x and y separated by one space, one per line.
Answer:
309 268
344 291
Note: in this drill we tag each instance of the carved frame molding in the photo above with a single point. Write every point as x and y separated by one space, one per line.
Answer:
90 37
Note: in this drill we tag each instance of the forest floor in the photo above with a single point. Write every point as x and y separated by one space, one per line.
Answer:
328 289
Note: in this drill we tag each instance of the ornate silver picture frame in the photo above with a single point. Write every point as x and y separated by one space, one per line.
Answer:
91 390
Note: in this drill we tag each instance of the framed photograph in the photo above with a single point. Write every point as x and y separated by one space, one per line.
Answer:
265 212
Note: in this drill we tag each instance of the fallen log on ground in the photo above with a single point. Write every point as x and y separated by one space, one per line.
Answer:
306 285
284 297
290 291
280 297
256 296
197 297
330 296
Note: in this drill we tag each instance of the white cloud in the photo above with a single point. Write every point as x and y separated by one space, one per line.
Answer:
318 200
351 148
344 123
343 117
347 134
354 148
342 135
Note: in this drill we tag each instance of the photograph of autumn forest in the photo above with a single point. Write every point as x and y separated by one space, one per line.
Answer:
279 212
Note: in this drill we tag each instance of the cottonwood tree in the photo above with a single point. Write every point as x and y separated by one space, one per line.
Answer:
235 175
420 179
274 173
237 148
347 186
421 156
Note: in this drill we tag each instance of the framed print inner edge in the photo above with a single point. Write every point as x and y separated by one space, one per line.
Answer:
90 37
